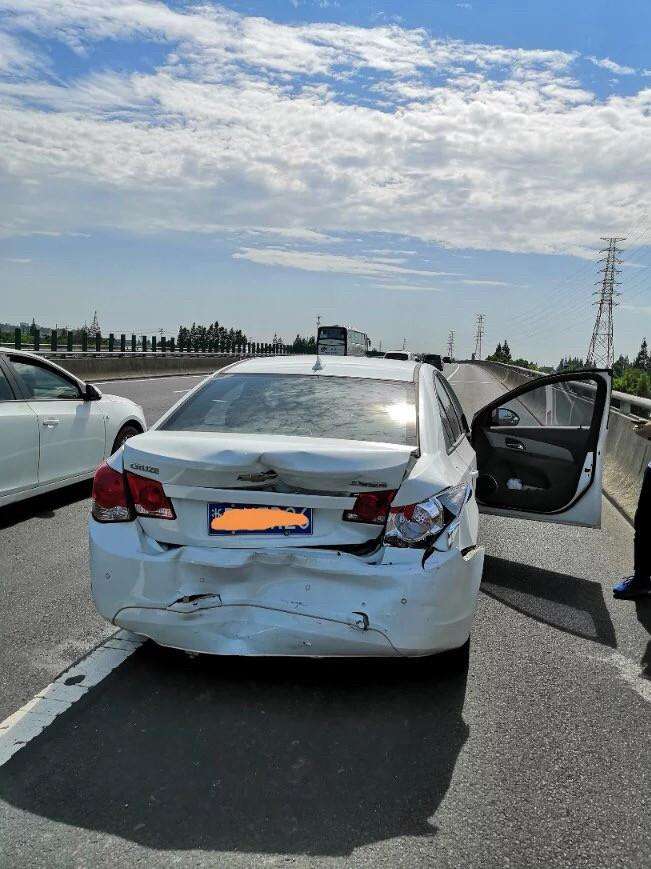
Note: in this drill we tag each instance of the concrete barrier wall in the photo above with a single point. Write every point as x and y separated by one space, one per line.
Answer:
627 454
126 367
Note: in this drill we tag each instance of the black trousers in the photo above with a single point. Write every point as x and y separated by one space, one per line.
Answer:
642 544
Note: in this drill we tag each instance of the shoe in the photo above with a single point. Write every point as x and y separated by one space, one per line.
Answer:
632 587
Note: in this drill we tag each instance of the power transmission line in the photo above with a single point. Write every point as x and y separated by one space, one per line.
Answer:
479 334
451 344
600 350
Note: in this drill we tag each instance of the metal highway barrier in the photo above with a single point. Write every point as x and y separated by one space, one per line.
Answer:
627 454
117 359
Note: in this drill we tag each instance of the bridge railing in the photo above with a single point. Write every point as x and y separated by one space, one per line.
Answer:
60 344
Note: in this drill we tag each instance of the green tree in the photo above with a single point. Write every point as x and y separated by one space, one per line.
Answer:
571 363
642 358
303 344
634 382
620 365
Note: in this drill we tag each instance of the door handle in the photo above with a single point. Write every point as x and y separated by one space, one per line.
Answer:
50 423
514 444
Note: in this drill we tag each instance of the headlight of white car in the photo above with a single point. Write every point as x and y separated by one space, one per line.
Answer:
419 525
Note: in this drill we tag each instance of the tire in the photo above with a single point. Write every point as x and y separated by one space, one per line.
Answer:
127 431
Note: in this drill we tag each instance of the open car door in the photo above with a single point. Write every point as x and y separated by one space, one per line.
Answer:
540 449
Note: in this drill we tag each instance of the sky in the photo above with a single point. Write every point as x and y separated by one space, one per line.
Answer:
394 166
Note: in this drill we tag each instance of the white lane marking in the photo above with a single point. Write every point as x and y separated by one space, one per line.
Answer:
631 674
71 685
176 391
144 379
454 372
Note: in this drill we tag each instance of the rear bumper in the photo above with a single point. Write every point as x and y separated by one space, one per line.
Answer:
282 602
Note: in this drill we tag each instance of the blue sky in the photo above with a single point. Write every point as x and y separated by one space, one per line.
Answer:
395 166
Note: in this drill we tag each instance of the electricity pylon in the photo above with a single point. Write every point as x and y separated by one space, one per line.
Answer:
479 334
601 350
451 344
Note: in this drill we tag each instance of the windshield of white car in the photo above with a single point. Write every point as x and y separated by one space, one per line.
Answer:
351 408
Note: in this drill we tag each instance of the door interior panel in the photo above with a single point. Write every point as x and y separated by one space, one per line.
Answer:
546 471
536 462
526 441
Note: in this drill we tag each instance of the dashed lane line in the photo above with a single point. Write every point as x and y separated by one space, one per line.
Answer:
30 720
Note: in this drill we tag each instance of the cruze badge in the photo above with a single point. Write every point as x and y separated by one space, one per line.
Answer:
149 469
371 484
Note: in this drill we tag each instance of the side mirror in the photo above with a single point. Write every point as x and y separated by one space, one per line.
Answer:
504 416
92 393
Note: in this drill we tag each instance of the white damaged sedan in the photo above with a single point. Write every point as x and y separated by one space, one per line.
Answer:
328 507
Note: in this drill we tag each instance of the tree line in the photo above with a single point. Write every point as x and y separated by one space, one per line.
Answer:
633 377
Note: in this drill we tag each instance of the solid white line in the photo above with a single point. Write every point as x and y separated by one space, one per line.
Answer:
454 372
176 391
144 379
71 685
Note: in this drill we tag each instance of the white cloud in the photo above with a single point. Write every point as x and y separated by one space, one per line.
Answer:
250 126
612 66
312 261
18 260
487 283
15 58
411 287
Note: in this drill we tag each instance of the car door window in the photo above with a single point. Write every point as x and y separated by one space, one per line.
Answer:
456 404
6 393
44 383
452 426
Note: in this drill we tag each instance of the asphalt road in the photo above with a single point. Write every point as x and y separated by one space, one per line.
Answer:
540 757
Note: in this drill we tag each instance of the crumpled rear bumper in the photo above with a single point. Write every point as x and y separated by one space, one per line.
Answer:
282 601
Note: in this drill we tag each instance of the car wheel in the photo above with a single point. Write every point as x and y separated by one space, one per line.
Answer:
127 431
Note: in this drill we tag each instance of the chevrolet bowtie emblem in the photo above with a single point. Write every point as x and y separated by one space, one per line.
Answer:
257 478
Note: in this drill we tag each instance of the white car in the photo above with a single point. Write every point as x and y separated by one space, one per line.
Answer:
55 429
304 506
400 355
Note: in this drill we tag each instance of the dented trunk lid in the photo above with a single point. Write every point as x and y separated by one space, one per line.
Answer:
323 475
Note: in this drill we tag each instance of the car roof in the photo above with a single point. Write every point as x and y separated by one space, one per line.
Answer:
25 353
332 366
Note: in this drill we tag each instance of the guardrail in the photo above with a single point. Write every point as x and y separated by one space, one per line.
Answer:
627 454
630 405
143 345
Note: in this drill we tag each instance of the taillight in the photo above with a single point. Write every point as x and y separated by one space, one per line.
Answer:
110 497
419 525
149 498
371 508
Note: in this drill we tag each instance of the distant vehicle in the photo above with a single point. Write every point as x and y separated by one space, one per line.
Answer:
433 359
288 508
401 355
341 341
55 429
447 360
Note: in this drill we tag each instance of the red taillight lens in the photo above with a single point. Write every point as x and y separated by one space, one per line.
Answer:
149 498
110 497
371 508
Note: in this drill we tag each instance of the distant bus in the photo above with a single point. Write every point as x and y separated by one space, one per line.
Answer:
341 341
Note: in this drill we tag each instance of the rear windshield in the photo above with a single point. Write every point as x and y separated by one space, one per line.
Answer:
404 357
351 408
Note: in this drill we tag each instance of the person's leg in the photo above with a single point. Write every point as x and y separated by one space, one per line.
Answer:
642 543
639 585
